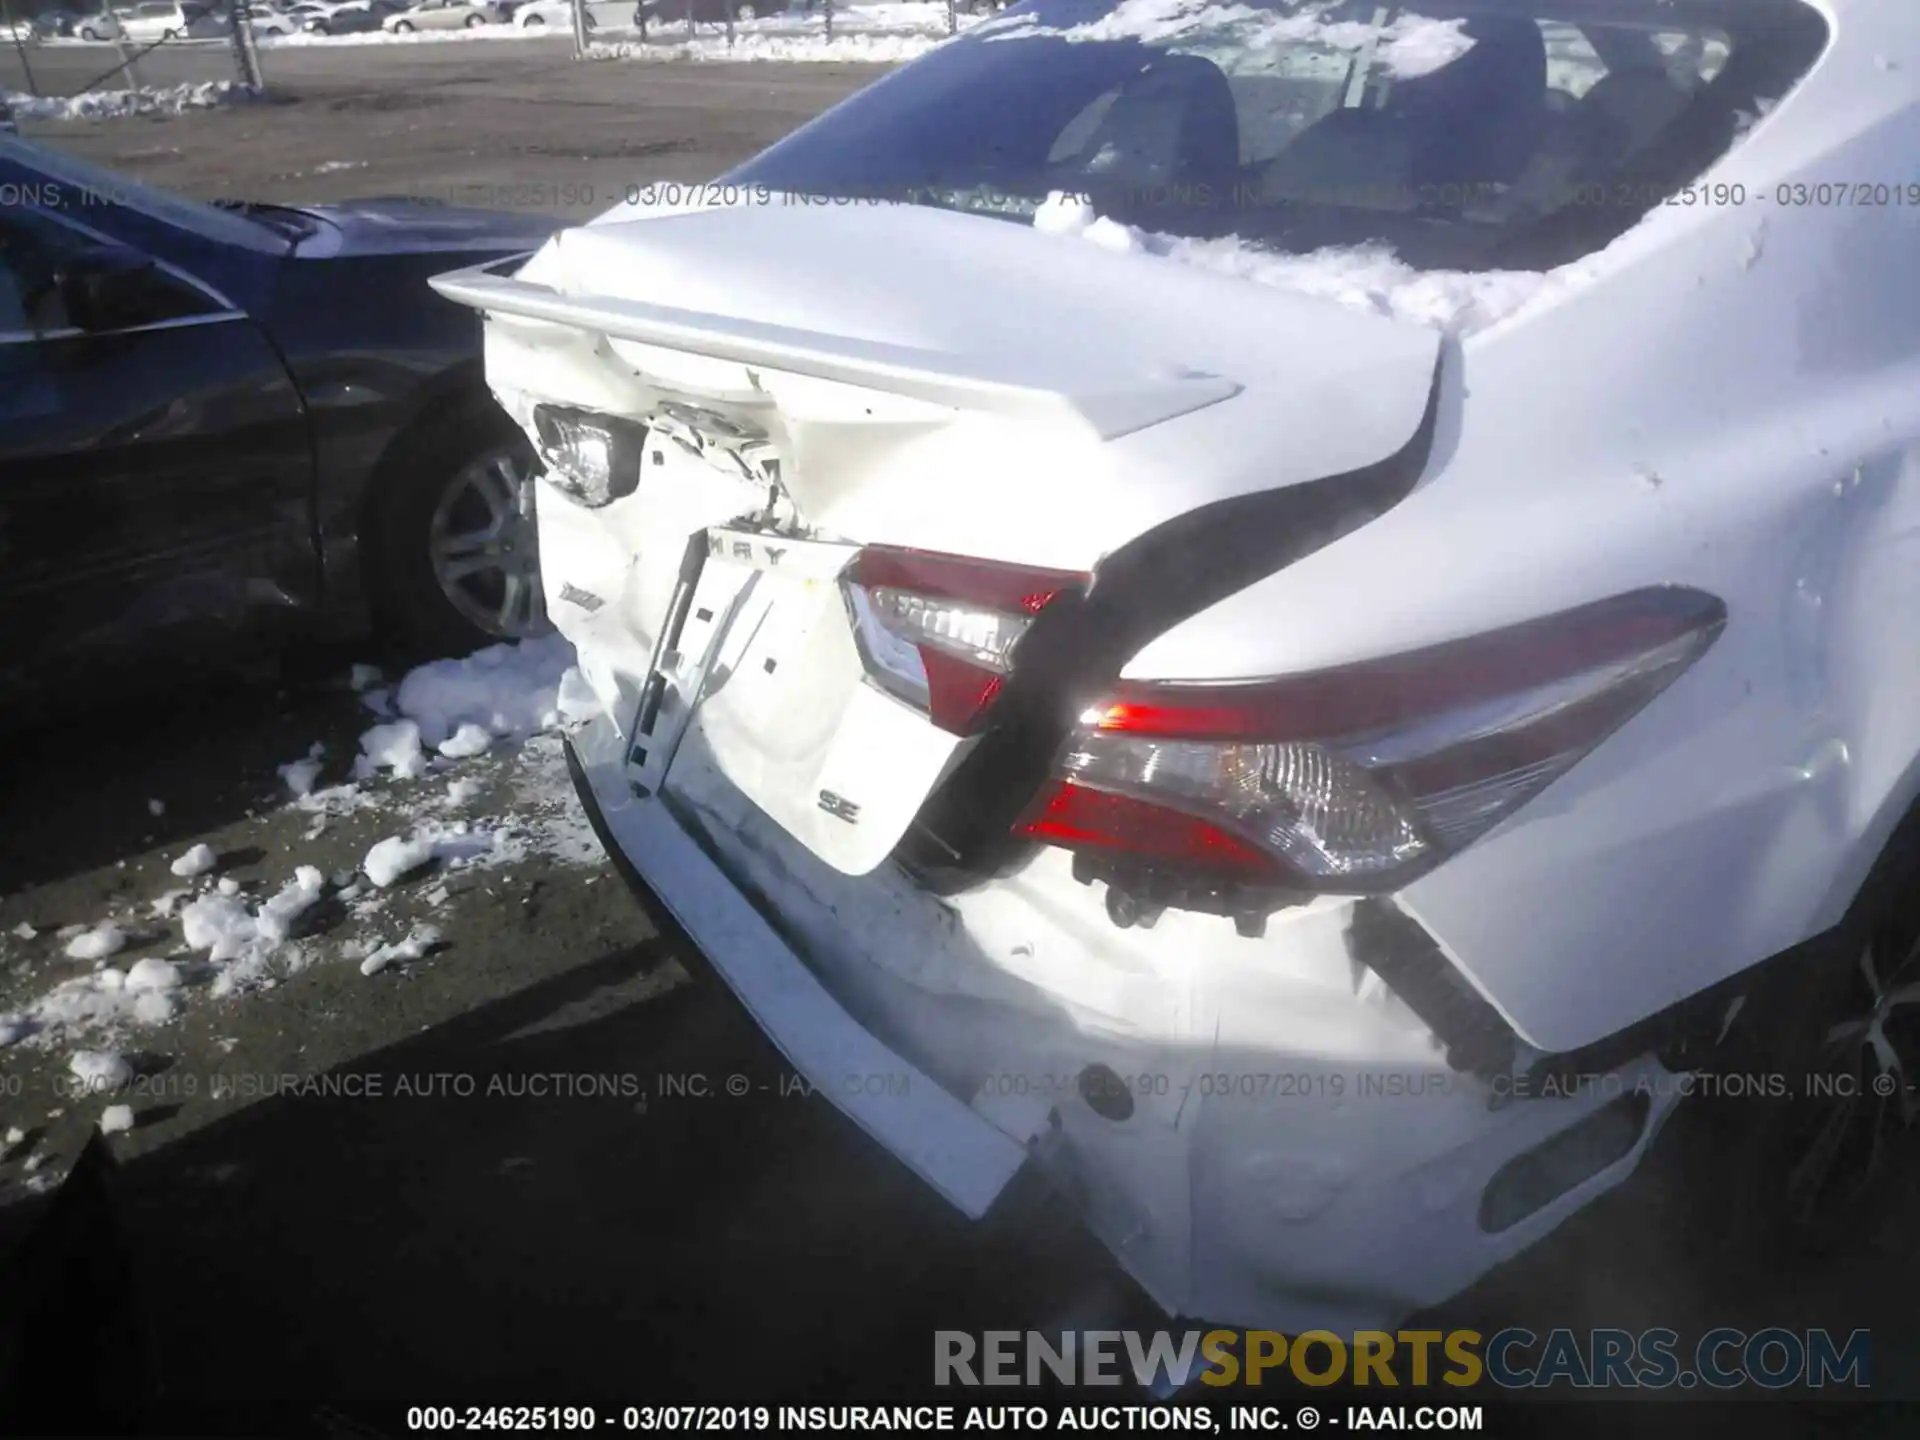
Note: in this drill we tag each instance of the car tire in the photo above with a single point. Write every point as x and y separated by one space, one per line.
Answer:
87 33
402 27
1808 1170
473 22
465 474
534 22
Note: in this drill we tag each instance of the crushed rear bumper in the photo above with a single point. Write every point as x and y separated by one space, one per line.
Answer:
940 1139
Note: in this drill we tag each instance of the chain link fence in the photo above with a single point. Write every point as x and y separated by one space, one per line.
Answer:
75 59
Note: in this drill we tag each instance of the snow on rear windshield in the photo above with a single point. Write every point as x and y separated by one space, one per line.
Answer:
1458 134
1310 39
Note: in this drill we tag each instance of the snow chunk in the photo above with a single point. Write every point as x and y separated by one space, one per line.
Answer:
275 922
469 740
394 746
228 885
461 791
363 677
102 940
25 931
12 1028
422 939
218 924
120 104
101 1070
15 1135
197 861
156 807
300 775
507 690
115 1119
167 902
153 1007
395 856
577 701
153 975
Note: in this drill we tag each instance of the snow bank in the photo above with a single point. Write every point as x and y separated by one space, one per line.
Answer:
787 49
117 104
1364 277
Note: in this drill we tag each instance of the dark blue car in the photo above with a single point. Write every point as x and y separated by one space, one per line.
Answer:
222 424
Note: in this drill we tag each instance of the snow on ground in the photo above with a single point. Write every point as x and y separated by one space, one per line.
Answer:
116 104
1365 277
498 712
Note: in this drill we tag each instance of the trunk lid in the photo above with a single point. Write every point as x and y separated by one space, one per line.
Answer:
817 378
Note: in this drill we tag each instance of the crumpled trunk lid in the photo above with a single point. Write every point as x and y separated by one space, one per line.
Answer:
817 378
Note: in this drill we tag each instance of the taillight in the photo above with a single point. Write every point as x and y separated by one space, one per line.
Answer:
1357 779
939 631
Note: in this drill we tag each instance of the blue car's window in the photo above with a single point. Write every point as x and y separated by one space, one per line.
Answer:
1460 132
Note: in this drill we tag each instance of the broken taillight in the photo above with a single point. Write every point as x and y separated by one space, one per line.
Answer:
1355 780
939 631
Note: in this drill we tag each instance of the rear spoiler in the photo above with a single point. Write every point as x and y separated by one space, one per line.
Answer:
1003 384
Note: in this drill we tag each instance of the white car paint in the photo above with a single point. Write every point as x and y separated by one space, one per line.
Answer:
1726 399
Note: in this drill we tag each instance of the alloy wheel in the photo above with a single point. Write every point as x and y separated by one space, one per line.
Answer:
484 546
1862 1101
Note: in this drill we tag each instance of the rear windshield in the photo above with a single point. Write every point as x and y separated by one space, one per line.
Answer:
1469 134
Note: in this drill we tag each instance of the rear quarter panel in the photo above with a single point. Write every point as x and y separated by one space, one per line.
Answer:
1735 406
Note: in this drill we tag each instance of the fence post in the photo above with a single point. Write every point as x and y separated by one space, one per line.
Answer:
953 18
828 5
6 14
689 19
246 55
579 8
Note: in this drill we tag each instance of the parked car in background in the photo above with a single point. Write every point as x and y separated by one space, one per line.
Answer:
54 24
97 26
163 20
356 17
652 13
558 14
446 15
223 427
1317 767
271 23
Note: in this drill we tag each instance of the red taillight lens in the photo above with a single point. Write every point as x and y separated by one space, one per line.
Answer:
1356 779
939 631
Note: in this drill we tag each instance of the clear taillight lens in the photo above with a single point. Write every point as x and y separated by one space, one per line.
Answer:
939 631
1357 779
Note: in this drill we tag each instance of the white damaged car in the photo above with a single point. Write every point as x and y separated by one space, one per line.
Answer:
1292 614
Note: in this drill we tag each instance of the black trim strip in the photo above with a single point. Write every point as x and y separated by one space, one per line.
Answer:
1078 645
